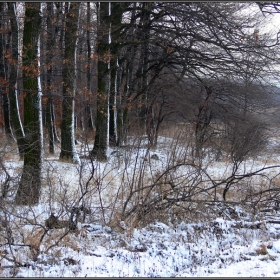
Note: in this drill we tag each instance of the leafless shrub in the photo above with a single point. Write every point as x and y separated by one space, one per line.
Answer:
183 188
244 139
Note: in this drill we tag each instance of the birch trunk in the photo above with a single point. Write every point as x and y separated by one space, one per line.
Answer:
13 50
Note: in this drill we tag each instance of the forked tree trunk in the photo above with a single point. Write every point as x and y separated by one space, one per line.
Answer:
30 184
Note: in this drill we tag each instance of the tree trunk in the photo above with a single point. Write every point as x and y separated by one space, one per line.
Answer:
4 75
100 141
112 109
30 184
13 80
115 22
88 110
50 45
144 81
68 149
203 120
125 83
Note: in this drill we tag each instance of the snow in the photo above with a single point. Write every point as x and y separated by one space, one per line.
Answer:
219 247
160 251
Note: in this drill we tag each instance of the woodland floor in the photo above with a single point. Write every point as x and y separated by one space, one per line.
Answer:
229 240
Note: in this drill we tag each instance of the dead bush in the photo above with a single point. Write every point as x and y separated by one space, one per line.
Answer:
244 138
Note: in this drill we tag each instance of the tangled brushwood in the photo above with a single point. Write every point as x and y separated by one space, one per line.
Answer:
135 188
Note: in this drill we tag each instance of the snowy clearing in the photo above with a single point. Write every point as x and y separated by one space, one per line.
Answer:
229 240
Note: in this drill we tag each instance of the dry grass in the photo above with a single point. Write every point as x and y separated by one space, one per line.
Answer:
122 180
262 250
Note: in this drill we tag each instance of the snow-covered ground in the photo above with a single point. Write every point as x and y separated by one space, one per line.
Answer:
233 244
161 251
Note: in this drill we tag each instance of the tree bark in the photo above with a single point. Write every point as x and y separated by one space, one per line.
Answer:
30 184
88 109
203 120
115 28
144 81
4 38
50 44
100 142
13 80
68 149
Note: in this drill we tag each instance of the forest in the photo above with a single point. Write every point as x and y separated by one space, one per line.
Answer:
130 113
